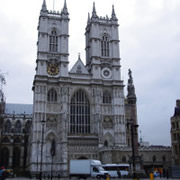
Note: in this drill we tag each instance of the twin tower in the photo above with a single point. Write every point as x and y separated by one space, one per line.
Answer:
78 112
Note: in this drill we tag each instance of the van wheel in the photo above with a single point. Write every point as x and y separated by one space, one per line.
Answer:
98 177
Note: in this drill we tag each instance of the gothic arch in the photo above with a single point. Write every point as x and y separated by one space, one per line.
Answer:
79 113
50 135
105 33
53 28
154 158
52 95
53 40
124 159
107 97
5 140
16 157
4 157
17 140
27 126
18 126
51 143
7 126
108 139
105 44
82 89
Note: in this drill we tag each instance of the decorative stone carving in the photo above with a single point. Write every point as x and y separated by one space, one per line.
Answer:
107 123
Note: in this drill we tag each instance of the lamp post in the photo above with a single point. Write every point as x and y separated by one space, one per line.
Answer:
53 152
42 141
37 157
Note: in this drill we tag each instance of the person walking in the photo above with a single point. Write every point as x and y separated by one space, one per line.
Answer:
119 173
3 173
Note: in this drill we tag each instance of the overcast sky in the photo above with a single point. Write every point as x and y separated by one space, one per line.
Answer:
149 46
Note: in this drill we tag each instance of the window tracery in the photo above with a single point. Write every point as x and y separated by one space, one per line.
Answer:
18 127
7 127
52 95
80 113
53 41
106 97
105 46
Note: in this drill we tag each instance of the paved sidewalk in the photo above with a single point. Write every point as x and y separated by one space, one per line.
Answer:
23 178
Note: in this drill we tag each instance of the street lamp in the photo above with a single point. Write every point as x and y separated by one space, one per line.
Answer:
37 157
53 152
42 141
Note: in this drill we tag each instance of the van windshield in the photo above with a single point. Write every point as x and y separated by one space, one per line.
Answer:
101 168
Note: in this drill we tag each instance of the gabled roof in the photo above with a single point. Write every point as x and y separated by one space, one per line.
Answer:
79 68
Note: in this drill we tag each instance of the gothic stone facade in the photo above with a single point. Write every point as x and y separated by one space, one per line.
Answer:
175 135
83 108
76 114
16 123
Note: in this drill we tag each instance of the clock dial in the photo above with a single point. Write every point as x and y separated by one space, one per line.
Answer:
106 73
53 69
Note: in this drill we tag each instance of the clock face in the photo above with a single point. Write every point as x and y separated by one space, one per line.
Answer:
106 73
53 69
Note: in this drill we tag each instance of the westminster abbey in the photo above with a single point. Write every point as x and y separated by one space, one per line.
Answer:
81 113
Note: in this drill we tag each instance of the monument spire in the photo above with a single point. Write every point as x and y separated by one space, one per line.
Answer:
130 88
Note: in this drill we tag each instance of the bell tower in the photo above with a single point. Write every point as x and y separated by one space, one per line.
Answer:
52 45
48 136
102 46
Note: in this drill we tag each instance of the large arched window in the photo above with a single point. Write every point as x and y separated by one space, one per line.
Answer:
105 46
52 95
53 41
79 113
4 157
18 127
7 126
106 97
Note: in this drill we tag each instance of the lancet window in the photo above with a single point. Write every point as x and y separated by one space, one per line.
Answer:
106 97
4 156
53 41
80 113
7 127
52 95
18 127
105 46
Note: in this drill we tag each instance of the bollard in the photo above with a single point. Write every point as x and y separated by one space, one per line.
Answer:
151 176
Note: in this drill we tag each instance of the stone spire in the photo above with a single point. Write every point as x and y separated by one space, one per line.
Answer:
94 15
88 21
65 10
130 88
113 16
44 7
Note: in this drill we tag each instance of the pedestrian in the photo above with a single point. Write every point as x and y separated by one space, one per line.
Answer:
167 174
164 173
3 173
119 173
